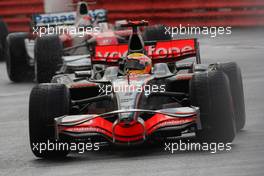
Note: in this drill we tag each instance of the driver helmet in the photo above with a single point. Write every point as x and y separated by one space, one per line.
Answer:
85 21
138 63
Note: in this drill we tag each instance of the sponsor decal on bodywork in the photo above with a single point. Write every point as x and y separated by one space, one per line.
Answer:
159 50
67 18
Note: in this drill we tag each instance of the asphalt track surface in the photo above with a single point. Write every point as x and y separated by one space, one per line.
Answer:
246 47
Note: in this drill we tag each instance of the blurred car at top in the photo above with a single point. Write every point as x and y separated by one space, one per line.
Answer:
62 42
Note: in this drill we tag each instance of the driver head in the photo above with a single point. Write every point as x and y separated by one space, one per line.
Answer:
138 63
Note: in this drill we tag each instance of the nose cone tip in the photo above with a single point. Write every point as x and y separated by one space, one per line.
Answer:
126 120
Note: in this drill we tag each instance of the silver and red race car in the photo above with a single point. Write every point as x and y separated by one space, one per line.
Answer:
147 93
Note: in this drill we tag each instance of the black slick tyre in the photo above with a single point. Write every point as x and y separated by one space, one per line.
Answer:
210 91
48 57
47 101
232 70
18 68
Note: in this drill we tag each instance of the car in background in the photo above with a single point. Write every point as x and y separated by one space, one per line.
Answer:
22 62
40 56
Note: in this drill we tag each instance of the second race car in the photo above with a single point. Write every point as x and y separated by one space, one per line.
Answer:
61 42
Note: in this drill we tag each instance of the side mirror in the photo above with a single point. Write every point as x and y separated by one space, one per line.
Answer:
83 74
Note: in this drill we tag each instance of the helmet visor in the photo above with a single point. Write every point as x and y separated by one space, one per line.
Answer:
133 64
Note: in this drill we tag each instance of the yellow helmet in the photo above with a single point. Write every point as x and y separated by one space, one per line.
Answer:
138 63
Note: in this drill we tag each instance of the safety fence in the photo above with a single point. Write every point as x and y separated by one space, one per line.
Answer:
192 12
17 13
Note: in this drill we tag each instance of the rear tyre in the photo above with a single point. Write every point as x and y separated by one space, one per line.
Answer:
47 101
233 72
156 32
3 43
17 65
48 57
210 91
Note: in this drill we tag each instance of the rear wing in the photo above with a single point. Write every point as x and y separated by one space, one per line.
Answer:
160 51
66 18
54 19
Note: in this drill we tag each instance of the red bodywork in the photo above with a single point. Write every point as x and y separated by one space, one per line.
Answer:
161 51
135 131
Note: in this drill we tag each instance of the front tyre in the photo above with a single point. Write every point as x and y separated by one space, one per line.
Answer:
233 72
47 101
210 91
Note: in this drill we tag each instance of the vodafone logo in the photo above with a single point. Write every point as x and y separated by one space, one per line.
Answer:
160 50
108 54
152 52
165 52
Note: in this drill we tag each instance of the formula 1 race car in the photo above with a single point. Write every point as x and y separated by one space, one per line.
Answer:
57 43
3 35
147 93
25 50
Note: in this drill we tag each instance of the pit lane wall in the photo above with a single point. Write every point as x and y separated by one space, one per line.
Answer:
240 13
